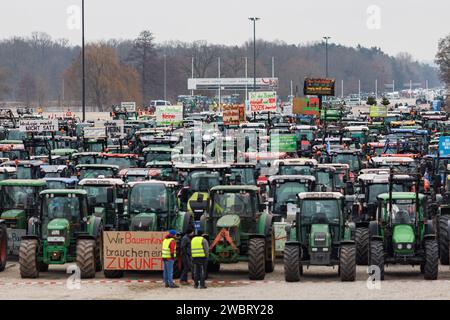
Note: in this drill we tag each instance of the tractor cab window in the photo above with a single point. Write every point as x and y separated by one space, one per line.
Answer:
243 176
202 181
374 190
295 170
350 159
340 179
158 156
61 208
324 178
321 211
148 198
24 172
287 192
99 194
17 197
86 160
95 173
238 203
403 211
121 162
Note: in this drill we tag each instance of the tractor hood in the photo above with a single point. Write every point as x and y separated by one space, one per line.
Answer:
320 235
144 222
403 233
13 214
229 220
58 224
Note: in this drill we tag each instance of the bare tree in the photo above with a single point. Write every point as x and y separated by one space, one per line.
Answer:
443 59
27 89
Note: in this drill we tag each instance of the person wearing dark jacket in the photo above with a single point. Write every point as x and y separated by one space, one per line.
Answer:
169 254
199 254
186 255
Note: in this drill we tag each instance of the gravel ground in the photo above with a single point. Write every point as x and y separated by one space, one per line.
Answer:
401 282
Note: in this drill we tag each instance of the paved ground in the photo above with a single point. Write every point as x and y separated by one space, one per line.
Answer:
401 282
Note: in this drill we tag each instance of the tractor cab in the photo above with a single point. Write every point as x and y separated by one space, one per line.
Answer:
13 150
105 198
283 191
305 135
325 178
152 206
357 133
342 177
243 174
64 233
135 174
295 166
26 169
404 165
63 156
7 173
85 171
157 154
163 171
85 158
350 157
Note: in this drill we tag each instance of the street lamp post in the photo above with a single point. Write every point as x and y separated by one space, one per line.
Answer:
326 55
83 64
254 19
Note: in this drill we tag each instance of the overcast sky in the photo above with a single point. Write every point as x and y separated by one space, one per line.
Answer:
414 26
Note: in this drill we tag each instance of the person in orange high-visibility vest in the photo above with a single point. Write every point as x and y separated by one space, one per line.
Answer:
169 254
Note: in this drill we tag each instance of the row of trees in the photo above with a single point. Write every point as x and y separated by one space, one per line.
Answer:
443 60
38 69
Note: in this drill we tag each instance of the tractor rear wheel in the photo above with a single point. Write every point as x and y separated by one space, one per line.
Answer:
347 263
3 247
86 257
257 259
99 250
270 251
443 240
431 266
376 256
362 246
291 261
113 274
28 259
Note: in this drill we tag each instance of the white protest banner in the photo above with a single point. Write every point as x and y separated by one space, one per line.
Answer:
94 132
129 106
263 101
38 125
133 250
169 115
114 128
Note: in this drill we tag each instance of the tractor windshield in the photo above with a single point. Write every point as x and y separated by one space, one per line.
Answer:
320 211
97 194
24 172
148 198
287 192
403 211
243 176
295 170
158 156
18 197
376 189
61 208
202 181
324 178
239 203
121 162
350 159
95 173
86 160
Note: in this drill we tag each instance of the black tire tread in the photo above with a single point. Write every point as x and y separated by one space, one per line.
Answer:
362 246
431 266
443 240
29 267
347 263
291 261
257 259
86 258
376 256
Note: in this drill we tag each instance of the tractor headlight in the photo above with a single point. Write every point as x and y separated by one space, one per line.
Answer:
55 233
314 249
325 249
409 246
399 246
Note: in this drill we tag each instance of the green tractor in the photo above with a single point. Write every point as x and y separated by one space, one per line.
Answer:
63 233
19 201
3 245
320 236
239 229
403 235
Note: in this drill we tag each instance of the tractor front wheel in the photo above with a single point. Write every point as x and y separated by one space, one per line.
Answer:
257 259
376 256
443 240
362 246
291 260
3 247
347 263
86 257
28 259
431 266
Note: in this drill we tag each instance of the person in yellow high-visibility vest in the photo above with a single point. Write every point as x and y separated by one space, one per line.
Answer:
199 255
169 253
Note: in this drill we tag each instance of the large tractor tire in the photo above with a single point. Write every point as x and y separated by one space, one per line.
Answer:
113 274
291 261
28 259
257 259
270 251
3 246
431 266
376 256
443 240
86 258
347 263
99 250
362 246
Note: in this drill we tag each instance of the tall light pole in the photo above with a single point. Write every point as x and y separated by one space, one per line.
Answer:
326 55
254 19
83 63
165 77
